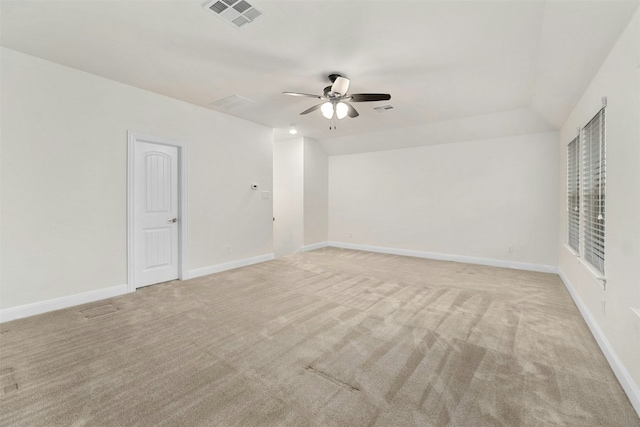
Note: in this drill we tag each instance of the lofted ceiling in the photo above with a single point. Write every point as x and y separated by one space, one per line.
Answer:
454 69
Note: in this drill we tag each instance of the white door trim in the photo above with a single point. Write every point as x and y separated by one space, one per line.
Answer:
134 137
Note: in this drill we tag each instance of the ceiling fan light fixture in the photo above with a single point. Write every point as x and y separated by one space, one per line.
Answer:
340 85
341 110
327 110
335 101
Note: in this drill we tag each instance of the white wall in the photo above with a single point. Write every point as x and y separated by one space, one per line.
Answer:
316 193
288 196
64 167
300 201
470 199
619 80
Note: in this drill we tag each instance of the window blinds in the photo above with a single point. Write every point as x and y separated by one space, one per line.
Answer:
573 193
593 190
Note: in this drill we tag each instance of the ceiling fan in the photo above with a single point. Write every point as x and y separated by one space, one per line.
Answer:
336 100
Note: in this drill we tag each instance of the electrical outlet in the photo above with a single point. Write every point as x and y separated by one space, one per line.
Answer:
510 249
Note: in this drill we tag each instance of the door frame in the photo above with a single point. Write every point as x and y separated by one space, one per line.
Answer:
133 138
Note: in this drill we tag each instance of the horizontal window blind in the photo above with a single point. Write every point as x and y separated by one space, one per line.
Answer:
573 193
593 190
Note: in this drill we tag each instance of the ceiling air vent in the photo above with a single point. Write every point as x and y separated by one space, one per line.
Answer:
235 12
231 102
383 108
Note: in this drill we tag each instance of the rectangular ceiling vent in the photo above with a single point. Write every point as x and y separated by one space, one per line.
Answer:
231 102
235 12
384 108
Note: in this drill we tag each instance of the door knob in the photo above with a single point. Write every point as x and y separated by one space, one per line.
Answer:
173 220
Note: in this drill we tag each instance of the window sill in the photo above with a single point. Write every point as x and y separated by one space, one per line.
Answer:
571 250
595 273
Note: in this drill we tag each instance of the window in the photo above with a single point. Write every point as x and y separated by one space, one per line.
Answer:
586 180
573 193
593 190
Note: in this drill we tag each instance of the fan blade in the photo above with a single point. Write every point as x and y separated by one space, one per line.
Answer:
340 85
314 108
301 94
367 97
352 111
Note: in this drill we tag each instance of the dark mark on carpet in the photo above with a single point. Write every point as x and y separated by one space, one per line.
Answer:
328 377
7 381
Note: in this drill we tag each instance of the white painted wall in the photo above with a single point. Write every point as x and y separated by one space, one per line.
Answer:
619 80
288 196
471 199
316 193
301 189
64 166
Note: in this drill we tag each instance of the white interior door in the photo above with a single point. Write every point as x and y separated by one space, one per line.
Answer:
155 222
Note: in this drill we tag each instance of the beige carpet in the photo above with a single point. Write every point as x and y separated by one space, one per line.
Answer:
327 338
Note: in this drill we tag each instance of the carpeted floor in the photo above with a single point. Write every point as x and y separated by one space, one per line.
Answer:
326 338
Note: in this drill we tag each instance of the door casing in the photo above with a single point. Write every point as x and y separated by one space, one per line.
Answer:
133 138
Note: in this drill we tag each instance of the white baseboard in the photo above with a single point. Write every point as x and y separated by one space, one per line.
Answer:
27 310
448 257
203 271
625 379
314 246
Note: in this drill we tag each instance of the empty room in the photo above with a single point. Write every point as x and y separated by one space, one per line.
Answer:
319 213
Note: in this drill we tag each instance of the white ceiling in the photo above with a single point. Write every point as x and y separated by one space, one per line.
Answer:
450 66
